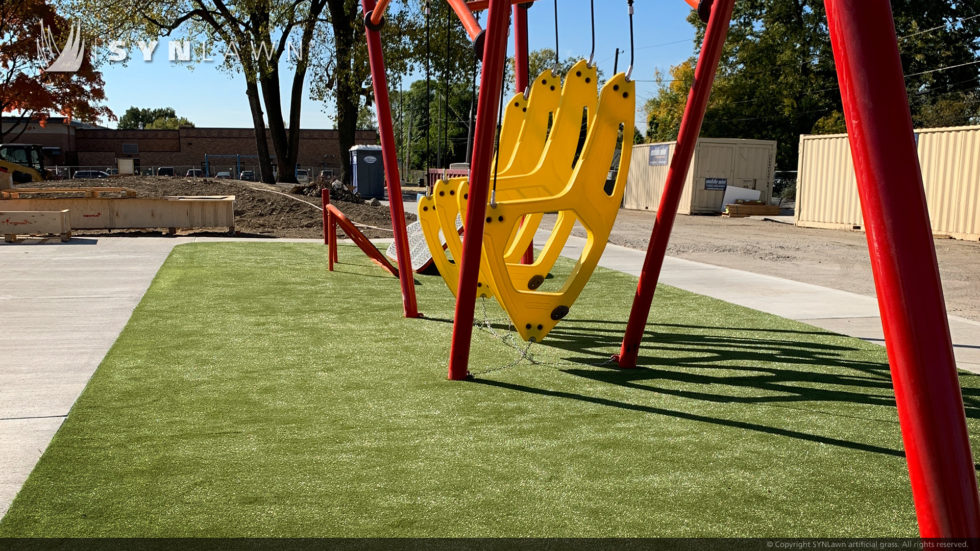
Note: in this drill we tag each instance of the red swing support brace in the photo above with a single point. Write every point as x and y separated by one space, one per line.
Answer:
389 155
491 80
906 273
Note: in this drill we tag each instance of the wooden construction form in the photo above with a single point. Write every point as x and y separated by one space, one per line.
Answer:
173 213
27 193
14 223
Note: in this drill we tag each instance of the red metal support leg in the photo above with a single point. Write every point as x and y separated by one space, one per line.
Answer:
687 139
491 79
324 201
522 78
389 154
903 260
335 257
329 228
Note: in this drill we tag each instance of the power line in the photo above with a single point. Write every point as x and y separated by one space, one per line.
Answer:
943 26
943 68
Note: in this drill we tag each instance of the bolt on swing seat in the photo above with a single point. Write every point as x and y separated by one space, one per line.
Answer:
585 198
541 162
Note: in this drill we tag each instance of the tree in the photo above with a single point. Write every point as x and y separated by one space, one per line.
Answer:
163 118
448 124
776 79
261 34
342 74
169 123
25 88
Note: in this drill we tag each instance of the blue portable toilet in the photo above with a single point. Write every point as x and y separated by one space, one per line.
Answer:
368 171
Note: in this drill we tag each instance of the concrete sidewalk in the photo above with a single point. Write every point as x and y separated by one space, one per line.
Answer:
831 309
64 305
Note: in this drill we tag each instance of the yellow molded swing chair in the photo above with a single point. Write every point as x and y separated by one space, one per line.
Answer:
585 198
529 173
525 121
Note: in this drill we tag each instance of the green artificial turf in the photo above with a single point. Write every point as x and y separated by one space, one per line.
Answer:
255 394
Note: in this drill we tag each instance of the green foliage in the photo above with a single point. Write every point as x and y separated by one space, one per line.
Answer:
832 123
169 124
254 394
665 110
776 78
161 118
416 119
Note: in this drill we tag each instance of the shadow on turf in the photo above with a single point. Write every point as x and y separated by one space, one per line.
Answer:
689 361
714 356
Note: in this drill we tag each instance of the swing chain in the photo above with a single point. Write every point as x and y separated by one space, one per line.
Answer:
557 59
524 353
629 72
591 62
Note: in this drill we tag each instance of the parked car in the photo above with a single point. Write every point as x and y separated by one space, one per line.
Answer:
194 173
247 175
223 175
111 171
87 174
166 171
303 176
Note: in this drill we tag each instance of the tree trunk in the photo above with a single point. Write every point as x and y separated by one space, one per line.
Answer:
258 124
299 77
272 97
344 35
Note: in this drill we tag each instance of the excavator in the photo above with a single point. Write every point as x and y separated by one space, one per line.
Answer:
24 162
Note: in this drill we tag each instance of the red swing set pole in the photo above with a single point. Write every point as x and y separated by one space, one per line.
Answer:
390 157
697 102
906 273
491 80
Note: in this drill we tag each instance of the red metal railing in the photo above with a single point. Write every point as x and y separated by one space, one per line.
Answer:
333 217
443 174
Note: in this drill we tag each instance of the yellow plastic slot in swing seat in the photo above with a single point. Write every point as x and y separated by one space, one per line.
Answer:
585 198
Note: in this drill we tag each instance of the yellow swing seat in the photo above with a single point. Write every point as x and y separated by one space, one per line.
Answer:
527 175
585 198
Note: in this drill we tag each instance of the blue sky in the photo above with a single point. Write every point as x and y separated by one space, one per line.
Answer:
210 97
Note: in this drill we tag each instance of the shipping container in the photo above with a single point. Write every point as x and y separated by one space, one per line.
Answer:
827 194
718 163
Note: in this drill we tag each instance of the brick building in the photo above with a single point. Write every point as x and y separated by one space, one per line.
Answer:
88 146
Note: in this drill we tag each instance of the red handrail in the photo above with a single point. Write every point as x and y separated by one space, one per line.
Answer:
339 218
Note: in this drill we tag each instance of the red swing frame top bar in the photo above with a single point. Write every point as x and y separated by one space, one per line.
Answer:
464 11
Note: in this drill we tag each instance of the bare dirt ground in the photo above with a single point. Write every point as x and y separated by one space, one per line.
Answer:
261 210
830 258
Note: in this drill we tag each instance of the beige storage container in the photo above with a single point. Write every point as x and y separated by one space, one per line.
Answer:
717 164
826 188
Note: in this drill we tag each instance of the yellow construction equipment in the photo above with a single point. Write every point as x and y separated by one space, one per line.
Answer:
24 162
